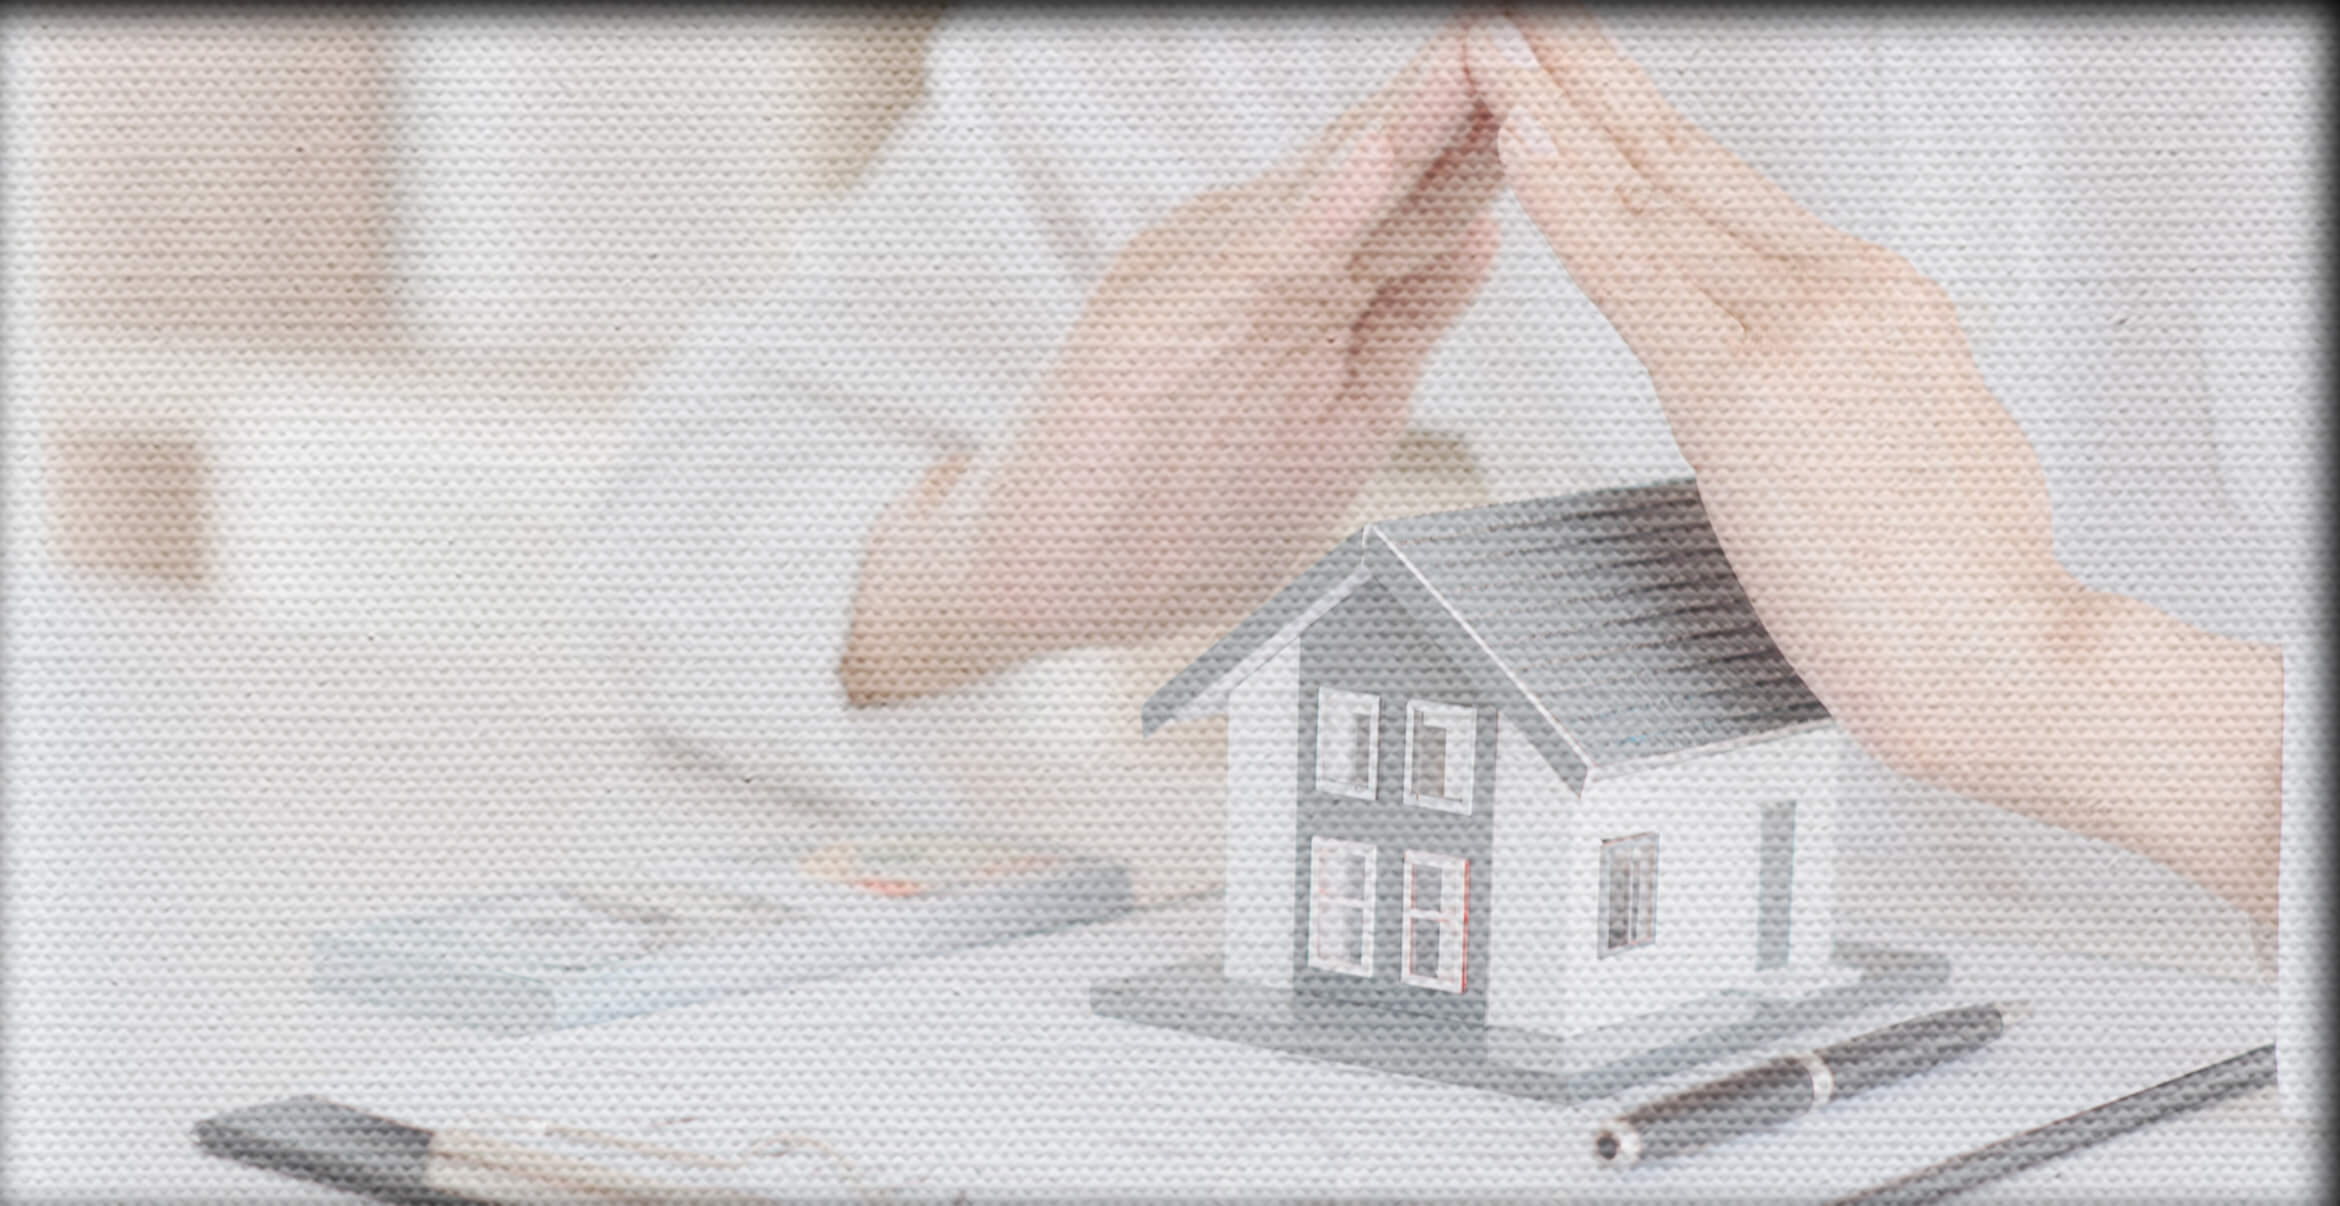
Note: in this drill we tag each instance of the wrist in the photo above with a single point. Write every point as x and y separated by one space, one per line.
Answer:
2099 714
2192 724
1958 669
919 622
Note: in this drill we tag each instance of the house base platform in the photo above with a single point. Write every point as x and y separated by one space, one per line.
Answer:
1195 998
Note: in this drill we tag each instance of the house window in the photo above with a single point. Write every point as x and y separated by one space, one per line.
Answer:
1628 892
1340 906
1440 748
1348 747
1437 920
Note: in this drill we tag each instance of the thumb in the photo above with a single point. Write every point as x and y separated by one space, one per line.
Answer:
1394 337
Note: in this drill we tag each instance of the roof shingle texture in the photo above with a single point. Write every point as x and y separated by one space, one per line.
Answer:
1615 612
1608 623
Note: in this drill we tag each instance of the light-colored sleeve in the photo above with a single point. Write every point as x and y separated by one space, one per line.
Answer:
728 556
2261 361
916 314
2264 364
2285 492
915 311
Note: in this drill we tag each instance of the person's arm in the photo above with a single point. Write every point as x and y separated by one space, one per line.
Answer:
1242 369
1887 518
728 545
765 451
777 548
2126 724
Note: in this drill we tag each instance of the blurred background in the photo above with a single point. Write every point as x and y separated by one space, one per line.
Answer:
318 332
231 234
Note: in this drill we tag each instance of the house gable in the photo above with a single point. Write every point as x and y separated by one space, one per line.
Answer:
1490 679
1201 688
1616 615
1719 879
1607 626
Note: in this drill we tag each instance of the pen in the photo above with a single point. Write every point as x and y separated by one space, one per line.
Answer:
1785 1088
2251 1070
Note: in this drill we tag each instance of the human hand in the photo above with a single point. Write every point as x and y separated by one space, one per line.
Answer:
1882 510
1243 368
1885 515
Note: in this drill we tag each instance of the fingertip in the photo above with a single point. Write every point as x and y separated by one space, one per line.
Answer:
1495 48
1491 50
1557 28
1344 202
1436 100
1478 67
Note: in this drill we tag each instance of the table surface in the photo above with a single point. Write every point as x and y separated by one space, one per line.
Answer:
193 789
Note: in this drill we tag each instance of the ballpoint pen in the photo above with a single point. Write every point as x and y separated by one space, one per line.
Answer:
1775 1092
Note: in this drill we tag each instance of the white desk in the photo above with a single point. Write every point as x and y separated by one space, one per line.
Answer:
192 791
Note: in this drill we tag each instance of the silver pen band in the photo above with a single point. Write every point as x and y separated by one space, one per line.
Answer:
1823 1080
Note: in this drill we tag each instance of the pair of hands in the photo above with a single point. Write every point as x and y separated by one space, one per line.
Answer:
1250 361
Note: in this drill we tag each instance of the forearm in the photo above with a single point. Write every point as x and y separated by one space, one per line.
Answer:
2107 717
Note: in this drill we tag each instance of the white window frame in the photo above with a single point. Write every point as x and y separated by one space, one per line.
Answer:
1642 906
1332 701
1454 877
1321 850
1461 725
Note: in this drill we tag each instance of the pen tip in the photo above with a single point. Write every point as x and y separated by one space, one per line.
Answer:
2011 1012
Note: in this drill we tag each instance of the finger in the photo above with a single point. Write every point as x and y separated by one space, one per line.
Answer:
1743 280
1322 285
1423 107
1416 118
1399 329
1671 324
1449 198
1618 96
1432 104
1342 205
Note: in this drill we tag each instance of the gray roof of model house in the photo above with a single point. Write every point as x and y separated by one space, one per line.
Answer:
1606 625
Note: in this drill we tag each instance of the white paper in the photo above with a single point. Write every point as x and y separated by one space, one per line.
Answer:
985 1072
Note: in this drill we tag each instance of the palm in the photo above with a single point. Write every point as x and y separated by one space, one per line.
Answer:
1245 366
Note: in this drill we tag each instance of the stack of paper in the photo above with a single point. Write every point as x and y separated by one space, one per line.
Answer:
556 955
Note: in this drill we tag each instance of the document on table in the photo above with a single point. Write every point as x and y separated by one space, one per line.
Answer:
984 1073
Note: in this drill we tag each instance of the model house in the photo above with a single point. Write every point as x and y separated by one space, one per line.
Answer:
1534 765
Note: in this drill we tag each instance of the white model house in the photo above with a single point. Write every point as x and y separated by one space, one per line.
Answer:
1532 765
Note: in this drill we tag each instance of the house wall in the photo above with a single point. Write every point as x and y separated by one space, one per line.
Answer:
1528 934
1263 783
1707 813
1369 643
